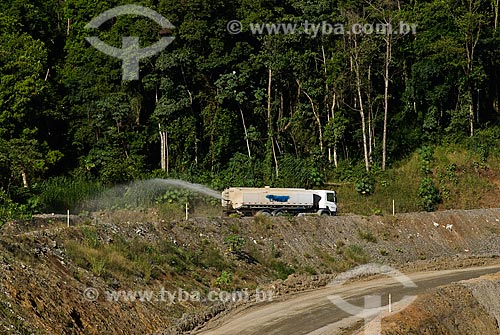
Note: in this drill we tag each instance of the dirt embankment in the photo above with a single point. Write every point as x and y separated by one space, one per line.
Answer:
45 267
469 307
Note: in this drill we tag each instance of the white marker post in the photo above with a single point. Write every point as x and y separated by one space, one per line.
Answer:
390 303
68 218
393 208
187 213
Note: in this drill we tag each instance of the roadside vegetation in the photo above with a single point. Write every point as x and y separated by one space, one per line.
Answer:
453 176
409 117
230 260
443 177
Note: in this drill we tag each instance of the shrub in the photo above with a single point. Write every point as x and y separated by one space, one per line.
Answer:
181 197
428 194
209 257
426 154
282 269
310 270
296 172
90 237
242 171
225 279
365 185
367 236
355 254
234 243
9 210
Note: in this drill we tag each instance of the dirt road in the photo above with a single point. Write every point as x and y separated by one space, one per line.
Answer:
313 313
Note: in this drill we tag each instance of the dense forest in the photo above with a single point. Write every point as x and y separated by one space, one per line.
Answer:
248 109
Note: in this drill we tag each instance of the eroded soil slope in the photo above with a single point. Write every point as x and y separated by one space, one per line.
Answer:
45 267
469 307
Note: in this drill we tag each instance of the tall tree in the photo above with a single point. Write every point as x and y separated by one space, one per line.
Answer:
23 67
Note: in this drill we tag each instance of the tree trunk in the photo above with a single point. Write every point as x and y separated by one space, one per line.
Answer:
329 148
25 178
363 130
388 57
471 39
269 120
471 118
327 92
335 159
246 132
164 150
370 144
371 131
495 13
357 72
316 117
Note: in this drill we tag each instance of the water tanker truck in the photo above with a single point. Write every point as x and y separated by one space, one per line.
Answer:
269 201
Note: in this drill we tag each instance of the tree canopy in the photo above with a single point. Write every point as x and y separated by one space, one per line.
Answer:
286 109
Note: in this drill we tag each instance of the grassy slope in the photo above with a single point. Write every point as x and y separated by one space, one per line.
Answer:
463 178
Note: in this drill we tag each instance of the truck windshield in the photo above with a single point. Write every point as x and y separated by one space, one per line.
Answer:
331 197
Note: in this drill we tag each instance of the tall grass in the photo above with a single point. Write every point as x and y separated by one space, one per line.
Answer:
399 183
464 177
61 193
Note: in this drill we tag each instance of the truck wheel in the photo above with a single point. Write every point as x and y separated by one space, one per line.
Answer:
263 212
278 212
323 212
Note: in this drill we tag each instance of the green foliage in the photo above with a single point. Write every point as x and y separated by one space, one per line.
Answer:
181 197
295 172
9 210
64 108
90 237
428 194
225 279
234 243
426 154
355 254
456 173
209 257
282 270
367 236
484 144
310 270
242 171
59 194
126 257
365 186
109 166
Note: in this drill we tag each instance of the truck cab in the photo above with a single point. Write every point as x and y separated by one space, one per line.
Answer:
327 201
